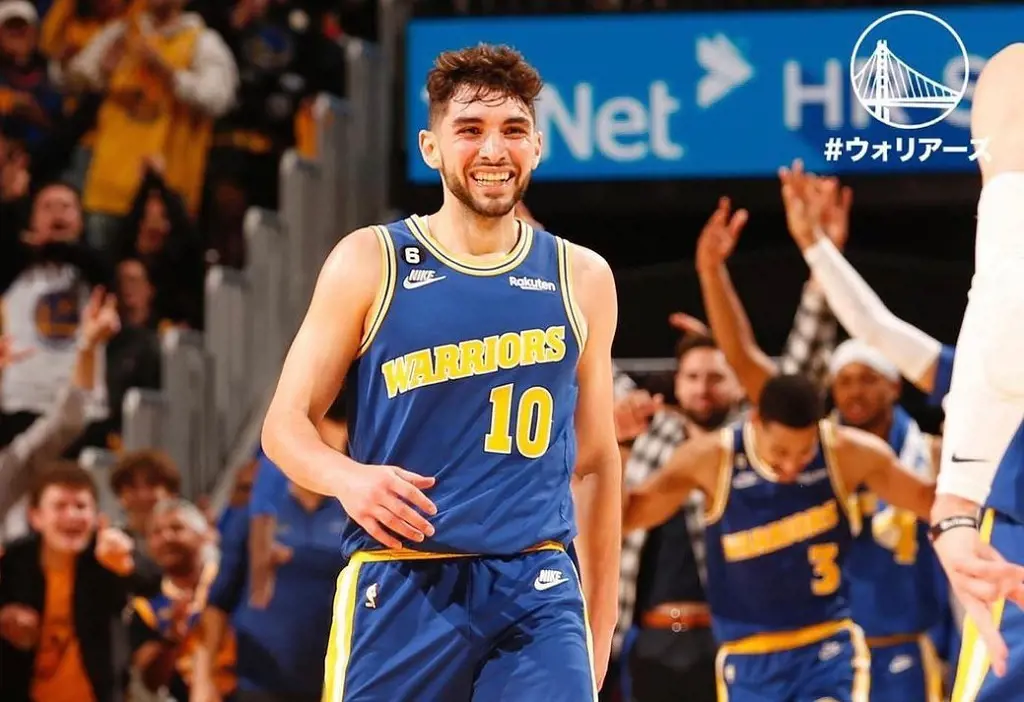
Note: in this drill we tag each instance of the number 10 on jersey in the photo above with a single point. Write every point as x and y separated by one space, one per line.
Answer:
528 428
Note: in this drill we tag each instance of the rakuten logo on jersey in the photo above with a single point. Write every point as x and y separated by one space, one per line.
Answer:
525 283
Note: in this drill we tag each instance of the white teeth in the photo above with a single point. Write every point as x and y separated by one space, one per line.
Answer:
492 178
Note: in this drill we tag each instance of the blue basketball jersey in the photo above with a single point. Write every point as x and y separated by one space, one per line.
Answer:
775 550
468 374
1007 495
897 585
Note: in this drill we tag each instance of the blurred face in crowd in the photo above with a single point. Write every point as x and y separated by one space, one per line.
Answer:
154 227
863 396
175 539
56 215
706 387
786 450
17 41
134 290
65 517
486 147
138 497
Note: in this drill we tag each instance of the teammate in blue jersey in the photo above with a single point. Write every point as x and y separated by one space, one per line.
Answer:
983 447
477 351
780 520
898 593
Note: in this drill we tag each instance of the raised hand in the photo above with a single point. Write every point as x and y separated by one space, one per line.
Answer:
688 324
9 355
804 201
114 548
633 414
719 236
100 320
20 626
381 499
835 211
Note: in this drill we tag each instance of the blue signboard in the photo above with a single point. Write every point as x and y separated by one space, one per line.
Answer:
737 94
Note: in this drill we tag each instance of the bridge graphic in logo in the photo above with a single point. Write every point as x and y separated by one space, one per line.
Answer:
892 90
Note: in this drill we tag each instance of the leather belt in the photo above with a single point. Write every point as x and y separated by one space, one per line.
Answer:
677 616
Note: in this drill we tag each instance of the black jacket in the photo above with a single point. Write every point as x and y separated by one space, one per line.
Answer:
99 597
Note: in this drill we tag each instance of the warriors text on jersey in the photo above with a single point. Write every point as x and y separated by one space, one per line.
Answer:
775 550
468 375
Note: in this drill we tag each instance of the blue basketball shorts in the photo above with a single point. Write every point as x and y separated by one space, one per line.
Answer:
906 671
414 627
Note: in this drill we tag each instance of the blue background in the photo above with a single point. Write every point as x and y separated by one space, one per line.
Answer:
745 132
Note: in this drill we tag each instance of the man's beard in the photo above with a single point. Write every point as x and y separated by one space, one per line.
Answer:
713 419
487 207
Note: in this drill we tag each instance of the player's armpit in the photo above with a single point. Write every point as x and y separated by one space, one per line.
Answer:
694 465
864 459
320 355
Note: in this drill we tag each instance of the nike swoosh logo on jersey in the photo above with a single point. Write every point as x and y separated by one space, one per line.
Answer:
413 284
541 586
960 459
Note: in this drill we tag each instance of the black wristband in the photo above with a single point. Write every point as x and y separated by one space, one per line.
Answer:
944 525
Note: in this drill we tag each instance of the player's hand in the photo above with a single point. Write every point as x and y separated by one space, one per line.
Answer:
633 414
19 625
980 577
381 499
719 236
203 689
100 320
803 202
114 548
688 324
835 210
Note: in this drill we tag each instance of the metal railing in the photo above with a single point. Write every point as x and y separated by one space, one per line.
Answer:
216 384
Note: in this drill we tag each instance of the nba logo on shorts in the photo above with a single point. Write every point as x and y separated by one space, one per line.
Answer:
909 69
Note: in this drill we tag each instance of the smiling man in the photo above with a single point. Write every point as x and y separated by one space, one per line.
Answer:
478 354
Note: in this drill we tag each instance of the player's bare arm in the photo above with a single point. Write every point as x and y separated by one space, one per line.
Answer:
865 459
327 342
729 323
598 461
695 465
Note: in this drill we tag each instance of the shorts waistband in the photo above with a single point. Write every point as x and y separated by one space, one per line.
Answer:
408 554
777 641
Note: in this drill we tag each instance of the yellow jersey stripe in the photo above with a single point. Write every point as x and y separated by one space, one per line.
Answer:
974 663
386 290
827 431
717 502
339 647
565 284
421 232
861 665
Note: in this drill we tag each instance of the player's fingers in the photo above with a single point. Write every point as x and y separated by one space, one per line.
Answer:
737 223
410 516
845 198
989 633
421 481
977 588
387 517
378 532
411 494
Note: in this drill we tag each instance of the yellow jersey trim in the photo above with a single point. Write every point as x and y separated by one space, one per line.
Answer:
579 328
408 554
717 502
339 645
756 462
974 662
386 290
847 500
421 232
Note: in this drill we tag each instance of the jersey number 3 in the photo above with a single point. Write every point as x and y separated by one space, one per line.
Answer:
533 420
826 568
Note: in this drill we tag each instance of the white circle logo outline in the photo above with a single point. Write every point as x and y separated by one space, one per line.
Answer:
916 13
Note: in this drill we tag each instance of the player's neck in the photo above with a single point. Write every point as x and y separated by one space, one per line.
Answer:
467 233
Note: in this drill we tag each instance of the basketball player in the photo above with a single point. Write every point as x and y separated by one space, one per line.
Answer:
779 525
983 447
898 592
478 354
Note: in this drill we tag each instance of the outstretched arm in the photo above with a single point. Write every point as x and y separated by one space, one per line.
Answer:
598 461
866 459
694 465
729 323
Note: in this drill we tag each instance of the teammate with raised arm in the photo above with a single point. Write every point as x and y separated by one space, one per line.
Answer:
478 353
983 447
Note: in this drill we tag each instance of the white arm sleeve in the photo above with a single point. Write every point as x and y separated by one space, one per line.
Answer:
986 398
859 309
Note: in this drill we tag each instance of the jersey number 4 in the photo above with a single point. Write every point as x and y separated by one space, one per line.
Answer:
533 420
823 558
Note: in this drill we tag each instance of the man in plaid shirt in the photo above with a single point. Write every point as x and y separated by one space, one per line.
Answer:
709 398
